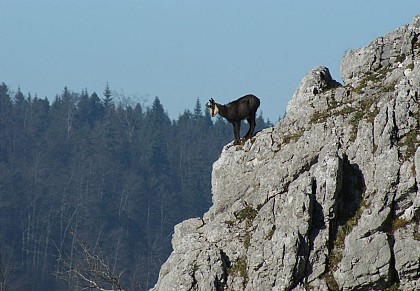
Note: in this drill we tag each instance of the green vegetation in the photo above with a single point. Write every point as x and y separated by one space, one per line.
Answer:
393 287
229 223
293 137
331 282
248 214
401 58
398 223
269 235
363 110
247 240
372 77
336 253
240 268
416 231
411 143
321 116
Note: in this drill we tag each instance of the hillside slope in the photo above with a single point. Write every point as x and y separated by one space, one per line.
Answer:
329 197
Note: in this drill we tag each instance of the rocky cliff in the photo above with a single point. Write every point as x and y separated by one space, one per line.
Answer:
329 198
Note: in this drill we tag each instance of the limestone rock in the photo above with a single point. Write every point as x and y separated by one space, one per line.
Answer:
308 93
326 199
407 262
366 263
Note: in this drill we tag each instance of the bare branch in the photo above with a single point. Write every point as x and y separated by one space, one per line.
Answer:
88 271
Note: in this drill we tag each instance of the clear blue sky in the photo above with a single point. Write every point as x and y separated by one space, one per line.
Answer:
184 50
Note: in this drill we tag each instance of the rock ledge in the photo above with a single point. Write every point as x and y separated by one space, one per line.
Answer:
326 199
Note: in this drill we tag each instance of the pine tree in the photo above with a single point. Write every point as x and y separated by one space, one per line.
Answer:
107 100
96 109
197 109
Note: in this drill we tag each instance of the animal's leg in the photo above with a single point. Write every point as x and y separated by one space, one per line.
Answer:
236 131
249 129
251 122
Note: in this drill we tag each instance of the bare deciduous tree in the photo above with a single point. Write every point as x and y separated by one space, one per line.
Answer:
88 270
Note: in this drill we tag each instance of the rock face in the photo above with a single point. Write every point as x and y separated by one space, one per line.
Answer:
329 197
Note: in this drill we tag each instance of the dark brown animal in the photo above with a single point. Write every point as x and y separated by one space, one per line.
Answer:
236 111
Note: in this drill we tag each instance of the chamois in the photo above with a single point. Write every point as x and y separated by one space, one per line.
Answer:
236 111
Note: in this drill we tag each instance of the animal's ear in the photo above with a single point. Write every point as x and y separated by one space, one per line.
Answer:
211 100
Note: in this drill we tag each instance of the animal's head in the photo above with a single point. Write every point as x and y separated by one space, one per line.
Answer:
212 107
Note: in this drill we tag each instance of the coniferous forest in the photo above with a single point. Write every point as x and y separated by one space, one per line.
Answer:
92 185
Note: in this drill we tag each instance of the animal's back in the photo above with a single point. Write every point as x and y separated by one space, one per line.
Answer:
246 106
250 101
